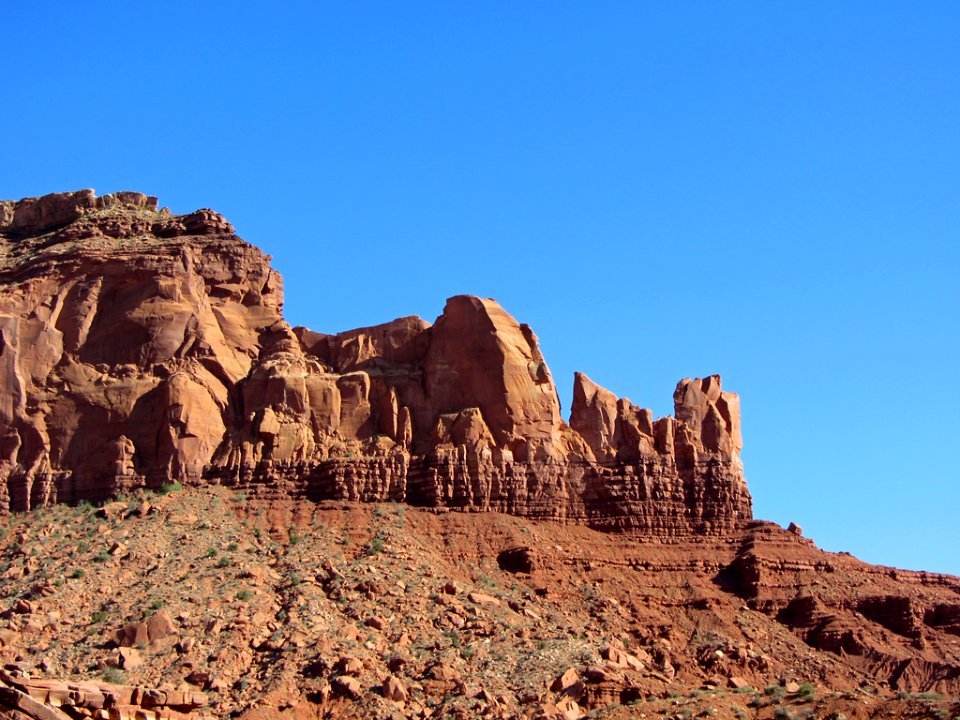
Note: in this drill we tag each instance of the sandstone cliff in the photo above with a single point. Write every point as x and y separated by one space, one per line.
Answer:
139 347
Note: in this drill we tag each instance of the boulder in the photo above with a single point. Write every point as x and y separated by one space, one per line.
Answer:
394 690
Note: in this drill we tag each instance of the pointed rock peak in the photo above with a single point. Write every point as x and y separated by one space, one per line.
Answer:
584 387
586 393
692 393
480 355
594 416
712 415
475 310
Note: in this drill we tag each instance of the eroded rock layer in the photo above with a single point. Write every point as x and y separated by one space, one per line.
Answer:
139 347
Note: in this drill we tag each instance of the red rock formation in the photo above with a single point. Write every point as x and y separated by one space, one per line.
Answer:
42 699
138 347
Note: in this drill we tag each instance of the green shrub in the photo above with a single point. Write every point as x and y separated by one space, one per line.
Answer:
170 487
375 545
244 595
114 676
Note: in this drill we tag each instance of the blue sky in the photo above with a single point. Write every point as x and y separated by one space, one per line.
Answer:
769 191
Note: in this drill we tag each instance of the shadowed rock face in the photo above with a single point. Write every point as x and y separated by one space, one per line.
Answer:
138 347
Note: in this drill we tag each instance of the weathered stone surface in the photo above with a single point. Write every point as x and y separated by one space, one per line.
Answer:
393 689
156 627
41 698
348 687
138 347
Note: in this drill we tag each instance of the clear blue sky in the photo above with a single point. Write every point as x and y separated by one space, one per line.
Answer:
770 191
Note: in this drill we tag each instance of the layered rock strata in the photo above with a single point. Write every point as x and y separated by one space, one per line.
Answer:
47 699
138 347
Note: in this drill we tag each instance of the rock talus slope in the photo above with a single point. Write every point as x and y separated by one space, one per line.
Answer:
138 347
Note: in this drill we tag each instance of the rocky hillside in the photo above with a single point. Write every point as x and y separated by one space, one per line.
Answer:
223 605
230 517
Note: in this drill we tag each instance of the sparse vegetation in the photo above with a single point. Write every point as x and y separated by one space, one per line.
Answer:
376 544
326 589
114 675
775 691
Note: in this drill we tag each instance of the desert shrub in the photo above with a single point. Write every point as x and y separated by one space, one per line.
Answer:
376 544
775 691
114 676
